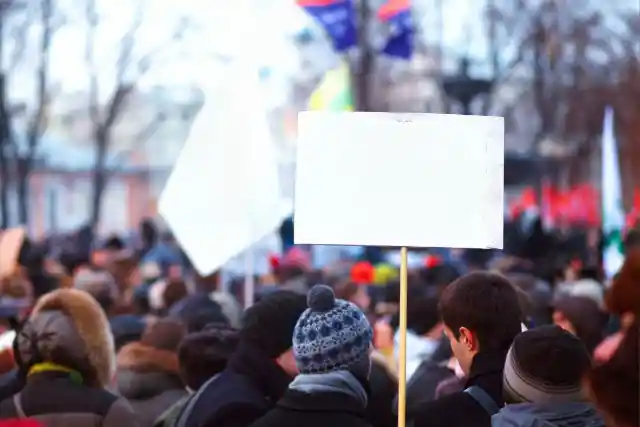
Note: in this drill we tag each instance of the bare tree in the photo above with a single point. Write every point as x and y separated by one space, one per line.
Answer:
37 122
129 68
16 18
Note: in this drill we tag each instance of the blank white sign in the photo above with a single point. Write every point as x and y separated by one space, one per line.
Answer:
384 179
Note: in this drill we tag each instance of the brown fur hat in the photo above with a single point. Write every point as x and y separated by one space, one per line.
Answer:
81 324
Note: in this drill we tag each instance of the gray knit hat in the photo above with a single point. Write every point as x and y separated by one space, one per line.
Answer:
545 365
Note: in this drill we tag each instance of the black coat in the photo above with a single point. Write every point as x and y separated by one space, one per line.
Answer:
383 388
238 396
298 409
460 409
422 386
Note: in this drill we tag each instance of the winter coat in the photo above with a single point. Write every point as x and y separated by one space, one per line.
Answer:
149 379
461 409
569 414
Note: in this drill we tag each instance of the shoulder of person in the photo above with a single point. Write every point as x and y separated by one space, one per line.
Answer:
436 412
120 414
237 414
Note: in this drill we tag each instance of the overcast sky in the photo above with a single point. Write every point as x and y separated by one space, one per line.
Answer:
256 30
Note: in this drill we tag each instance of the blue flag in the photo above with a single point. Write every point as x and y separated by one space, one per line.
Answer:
337 17
397 14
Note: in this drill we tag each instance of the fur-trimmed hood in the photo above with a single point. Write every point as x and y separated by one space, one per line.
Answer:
144 371
138 357
68 327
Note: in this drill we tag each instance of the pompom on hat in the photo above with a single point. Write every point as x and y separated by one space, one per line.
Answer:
331 335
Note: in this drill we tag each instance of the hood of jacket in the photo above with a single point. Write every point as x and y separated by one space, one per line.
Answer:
573 414
419 349
144 371
68 327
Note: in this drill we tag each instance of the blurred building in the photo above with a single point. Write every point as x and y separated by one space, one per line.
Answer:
146 142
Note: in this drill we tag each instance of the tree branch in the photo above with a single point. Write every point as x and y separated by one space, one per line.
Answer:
37 123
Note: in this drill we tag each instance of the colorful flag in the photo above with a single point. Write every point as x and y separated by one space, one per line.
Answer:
611 204
337 17
397 14
334 91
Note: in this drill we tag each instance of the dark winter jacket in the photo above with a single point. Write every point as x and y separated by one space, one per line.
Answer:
297 409
461 409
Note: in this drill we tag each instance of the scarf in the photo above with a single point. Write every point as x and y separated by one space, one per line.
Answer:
38 368
337 382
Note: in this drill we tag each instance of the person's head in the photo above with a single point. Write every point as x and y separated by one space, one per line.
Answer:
355 293
69 328
614 385
100 284
582 317
126 328
624 294
268 326
545 365
156 352
197 311
422 317
332 335
480 312
205 353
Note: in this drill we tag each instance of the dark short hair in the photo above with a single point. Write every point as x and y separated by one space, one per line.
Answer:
422 314
486 304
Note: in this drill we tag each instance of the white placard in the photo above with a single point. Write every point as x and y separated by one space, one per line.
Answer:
384 179
223 194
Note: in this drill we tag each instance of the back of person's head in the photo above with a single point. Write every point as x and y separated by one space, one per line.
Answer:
422 314
581 316
126 328
535 298
332 335
481 313
205 353
197 311
174 291
100 284
69 328
545 365
624 294
440 275
268 324
356 293
614 385
163 334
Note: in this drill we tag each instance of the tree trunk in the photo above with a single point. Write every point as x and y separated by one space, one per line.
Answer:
5 140
99 175
4 191
22 189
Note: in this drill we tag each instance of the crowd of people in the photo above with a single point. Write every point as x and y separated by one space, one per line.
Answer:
118 337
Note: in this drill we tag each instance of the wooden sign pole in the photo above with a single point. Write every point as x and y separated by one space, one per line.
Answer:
402 359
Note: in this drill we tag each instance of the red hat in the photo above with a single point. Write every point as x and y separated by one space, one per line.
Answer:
362 273
431 261
274 262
